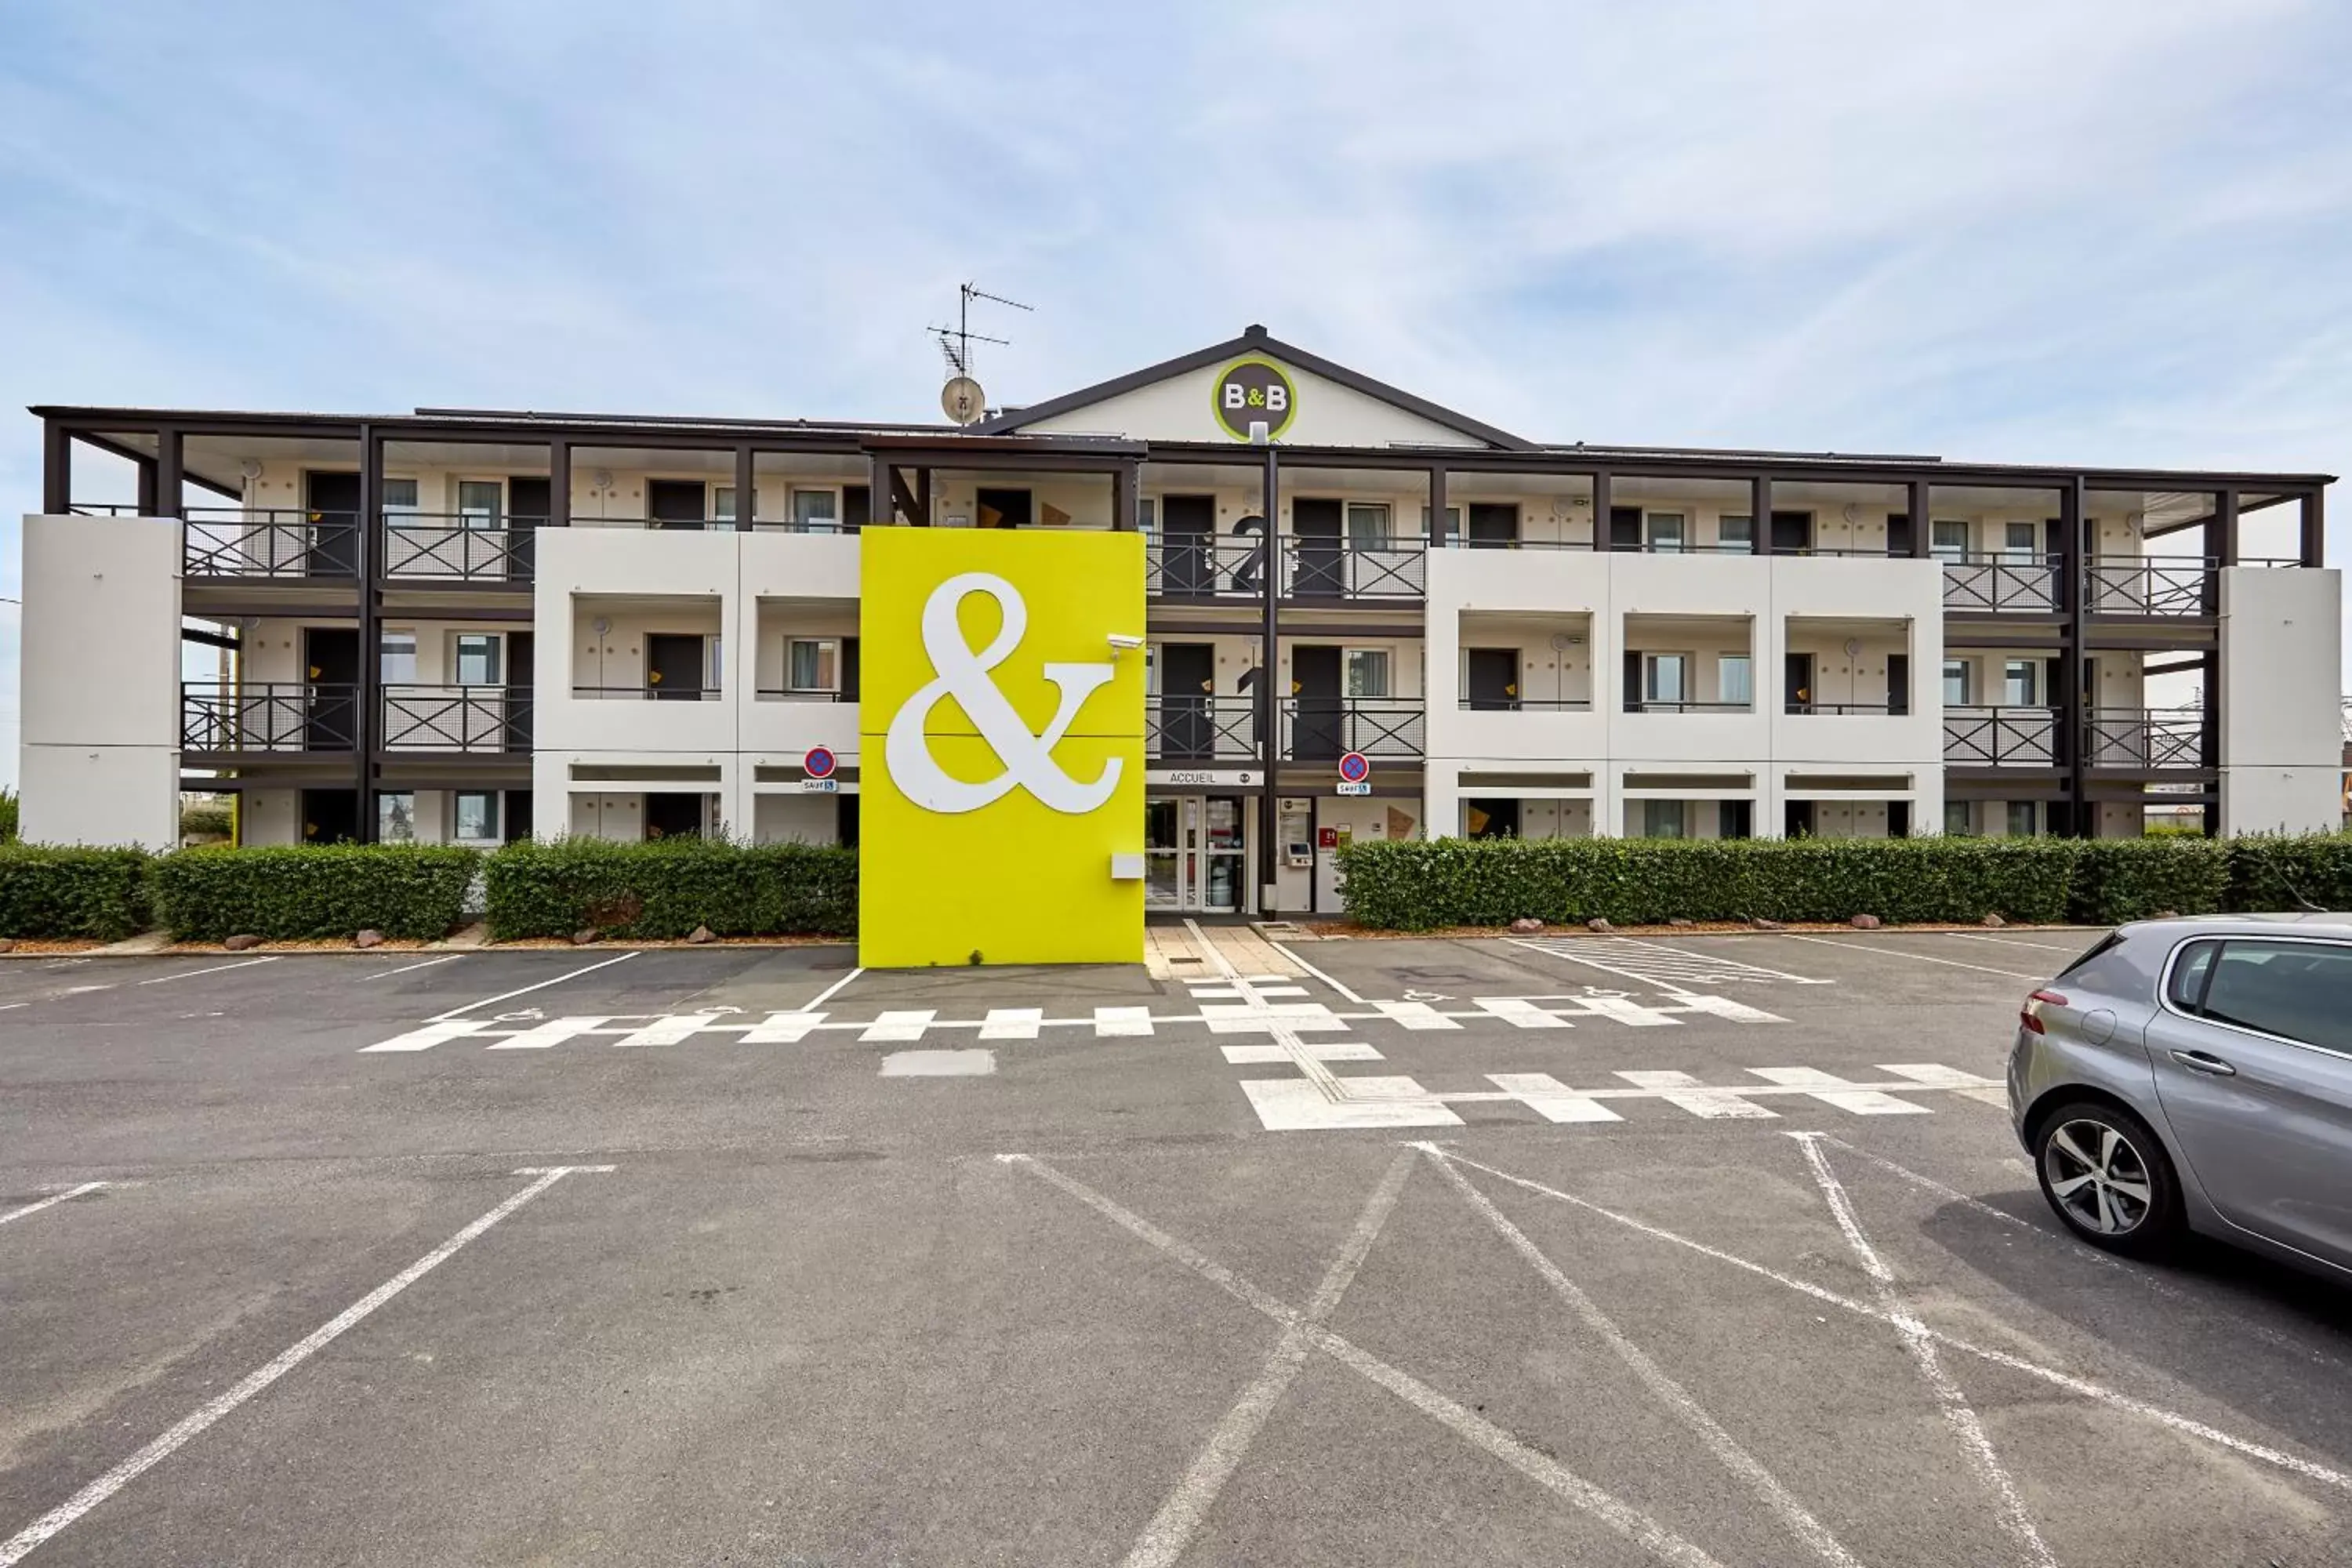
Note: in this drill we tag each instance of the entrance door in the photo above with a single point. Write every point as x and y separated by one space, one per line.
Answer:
675 503
331 817
1188 553
530 507
1493 679
1195 850
1793 532
1492 526
1163 858
1797 682
673 815
331 511
1216 864
1187 684
330 660
674 667
1321 721
1322 568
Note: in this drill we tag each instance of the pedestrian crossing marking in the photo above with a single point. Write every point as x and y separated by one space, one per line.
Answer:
782 1029
1243 1019
1522 1013
1299 1105
1415 1016
1316 1050
1012 1023
905 1024
1687 1093
669 1031
430 1036
1551 1098
542 1037
1122 1021
1832 1090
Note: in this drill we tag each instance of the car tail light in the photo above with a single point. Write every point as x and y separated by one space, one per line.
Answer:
2030 1014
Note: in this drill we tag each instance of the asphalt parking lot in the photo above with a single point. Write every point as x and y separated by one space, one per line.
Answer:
1716 1249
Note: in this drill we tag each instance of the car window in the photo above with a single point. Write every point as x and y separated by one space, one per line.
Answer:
2302 989
2187 988
2105 944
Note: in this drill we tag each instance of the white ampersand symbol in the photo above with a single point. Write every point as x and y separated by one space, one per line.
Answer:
963 675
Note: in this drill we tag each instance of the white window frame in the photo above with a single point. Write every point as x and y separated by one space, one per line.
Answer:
457 640
829 523
2034 818
1655 811
408 508
466 518
1652 533
1747 663
1728 545
457 798
1347 656
1652 663
1966 671
1383 537
2033 682
385 811
2012 554
829 652
1966 810
1939 550
384 674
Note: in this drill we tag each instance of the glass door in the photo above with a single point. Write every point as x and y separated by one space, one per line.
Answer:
1219 890
1163 869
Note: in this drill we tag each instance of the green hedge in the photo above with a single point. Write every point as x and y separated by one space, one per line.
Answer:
668 887
1417 885
313 890
51 891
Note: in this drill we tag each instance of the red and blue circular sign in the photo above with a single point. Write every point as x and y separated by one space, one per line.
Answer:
820 763
1355 767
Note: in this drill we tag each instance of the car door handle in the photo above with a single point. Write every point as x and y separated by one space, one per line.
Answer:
2198 1061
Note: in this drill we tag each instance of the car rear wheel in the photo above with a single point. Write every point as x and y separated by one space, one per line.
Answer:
2108 1178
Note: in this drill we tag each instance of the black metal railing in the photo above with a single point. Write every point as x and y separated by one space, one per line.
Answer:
2005 584
1677 705
2143 738
1979 737
1314 728
1199 728
2152 585
1339 569
473 719
269 542
655 691
1525 704
444 548
1200 566
1842 710
801 694
268 716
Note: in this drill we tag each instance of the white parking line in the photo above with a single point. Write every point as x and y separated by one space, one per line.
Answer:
1898 953
192 974
1958 1412
408 968
827 994
15 1549
1287 952
2012 942
50 1201
520 991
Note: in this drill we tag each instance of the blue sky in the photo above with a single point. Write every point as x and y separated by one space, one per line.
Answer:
2081 232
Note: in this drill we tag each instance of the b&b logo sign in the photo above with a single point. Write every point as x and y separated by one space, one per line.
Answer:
1254 392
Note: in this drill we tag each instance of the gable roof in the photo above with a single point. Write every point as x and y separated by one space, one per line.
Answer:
1254 340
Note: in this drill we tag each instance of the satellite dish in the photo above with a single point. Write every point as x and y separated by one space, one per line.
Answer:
962 400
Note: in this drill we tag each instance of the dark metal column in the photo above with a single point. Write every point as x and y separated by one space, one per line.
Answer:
366 722
1438 531
746 488
2073 704
1923 524
1759 501
882 500
559 484
2315 529
1270 707
57 469
1126 490
2209 736
2225 529
1601 538
170 474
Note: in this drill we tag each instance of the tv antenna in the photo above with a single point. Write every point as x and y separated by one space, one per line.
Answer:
961 397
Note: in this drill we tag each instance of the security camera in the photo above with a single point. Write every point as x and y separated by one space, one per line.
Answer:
1120 642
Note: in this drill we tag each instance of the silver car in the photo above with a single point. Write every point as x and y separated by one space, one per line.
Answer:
2197 1073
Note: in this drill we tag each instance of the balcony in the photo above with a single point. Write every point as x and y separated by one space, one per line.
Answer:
1331 570
1200 729
1199 566
426 548
2153 586
1978 737
268 716
2144 740
473 720
269 542
1321 728
2009 584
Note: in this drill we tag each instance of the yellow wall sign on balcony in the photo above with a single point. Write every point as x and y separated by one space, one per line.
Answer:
1001 744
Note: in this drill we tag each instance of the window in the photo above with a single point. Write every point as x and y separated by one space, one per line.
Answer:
1735 679
1662 819
814 513
2300 991
395 817
722 503
396 658
2020 683
1948 538
1147 518
1368 673
1957 674
2025 819
2018 543
1452 524
1736 535
812 663
1661 677
478 662
477 817
478 502
2186 989
400 500
1367 526
1959 818
1662 531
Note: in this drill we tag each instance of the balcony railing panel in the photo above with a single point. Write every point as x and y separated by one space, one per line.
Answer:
423 548
1198 566
1315 729
647 694
2153 586
2000 737
1662 705
2144 738
1198 729
266 541
1848 709
268 716
1525 704
2002 585
1336 569
470 718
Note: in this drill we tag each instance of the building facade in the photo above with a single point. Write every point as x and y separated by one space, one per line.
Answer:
472 626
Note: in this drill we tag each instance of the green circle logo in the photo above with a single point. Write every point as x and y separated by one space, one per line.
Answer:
1253 392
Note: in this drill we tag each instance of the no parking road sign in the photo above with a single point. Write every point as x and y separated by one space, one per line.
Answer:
1355 773
819 765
